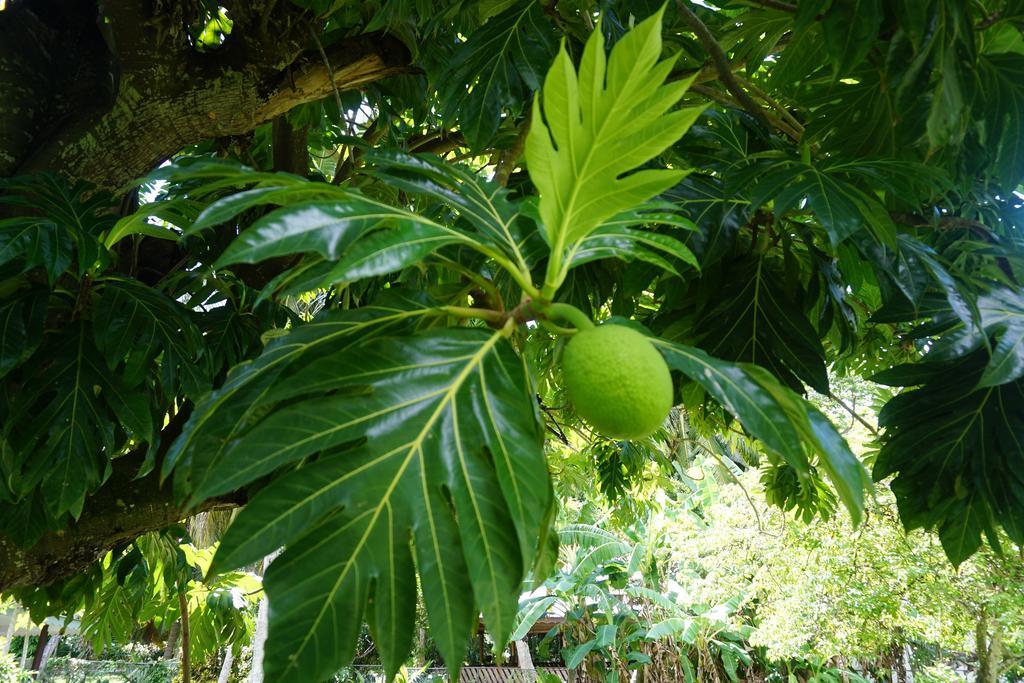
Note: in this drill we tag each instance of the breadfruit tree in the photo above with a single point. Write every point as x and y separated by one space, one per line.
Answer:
365 232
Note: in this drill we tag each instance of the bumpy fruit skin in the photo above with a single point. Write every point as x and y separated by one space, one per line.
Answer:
617 381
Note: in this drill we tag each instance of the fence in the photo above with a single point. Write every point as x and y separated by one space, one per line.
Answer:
70 670
469 674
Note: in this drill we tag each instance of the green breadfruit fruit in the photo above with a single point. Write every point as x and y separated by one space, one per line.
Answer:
617 381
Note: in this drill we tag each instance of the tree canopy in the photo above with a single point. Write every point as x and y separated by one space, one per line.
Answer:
319 259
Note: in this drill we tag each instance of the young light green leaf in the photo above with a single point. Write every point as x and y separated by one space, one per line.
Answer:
591 130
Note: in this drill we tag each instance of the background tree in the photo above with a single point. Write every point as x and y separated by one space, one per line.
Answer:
349 335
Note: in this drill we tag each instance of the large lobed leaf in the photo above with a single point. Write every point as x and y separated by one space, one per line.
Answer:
953 443
590 130
429 447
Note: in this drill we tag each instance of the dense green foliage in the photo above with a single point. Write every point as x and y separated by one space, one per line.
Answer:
358 352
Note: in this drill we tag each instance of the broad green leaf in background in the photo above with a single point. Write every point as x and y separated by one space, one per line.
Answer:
954 451
620 237
1001 83
22 320
444 413
324 227
35 243
756 320
781 419
483 205
135 323
590 130
850 28
65 423
496 68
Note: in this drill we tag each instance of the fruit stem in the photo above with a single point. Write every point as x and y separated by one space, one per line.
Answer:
569 313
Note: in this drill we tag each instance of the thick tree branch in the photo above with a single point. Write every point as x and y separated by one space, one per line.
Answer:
142 93
122 509
146 125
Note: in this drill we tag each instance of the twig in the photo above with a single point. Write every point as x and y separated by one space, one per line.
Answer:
371 136
327 63
720 61
746 494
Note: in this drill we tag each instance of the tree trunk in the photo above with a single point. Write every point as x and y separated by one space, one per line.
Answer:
10 628
51 647
24 649
990 648
44 635
225 667
260 637
186 659
171 646
106 97
523 654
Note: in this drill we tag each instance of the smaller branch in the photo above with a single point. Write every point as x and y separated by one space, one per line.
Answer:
853 413
990 20
510 156
776 4
371 136
720 61
774 104
478 313
726 101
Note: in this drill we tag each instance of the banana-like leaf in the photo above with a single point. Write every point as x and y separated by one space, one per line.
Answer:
776 415
529 613
596 127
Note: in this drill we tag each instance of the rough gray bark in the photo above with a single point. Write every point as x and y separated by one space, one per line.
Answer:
225 667
523 654
141 92
24 650
51 647
260 637
10 629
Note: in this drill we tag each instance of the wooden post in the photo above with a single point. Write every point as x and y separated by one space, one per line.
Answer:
44 636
